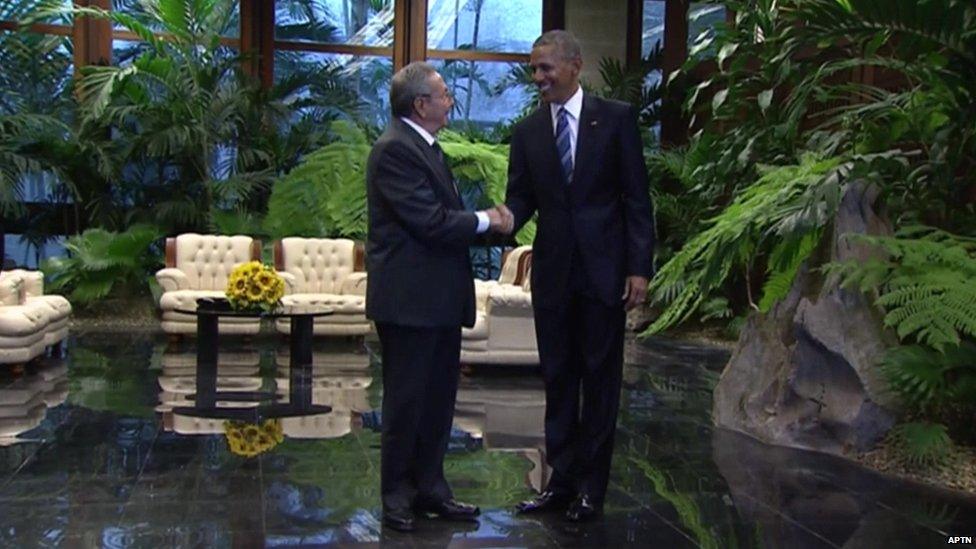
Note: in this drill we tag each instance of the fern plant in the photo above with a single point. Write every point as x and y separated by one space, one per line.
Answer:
921 444
924 283
325 195
101 263
775 209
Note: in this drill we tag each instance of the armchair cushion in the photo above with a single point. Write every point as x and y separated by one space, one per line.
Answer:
197 266
322 272
319 265
207 260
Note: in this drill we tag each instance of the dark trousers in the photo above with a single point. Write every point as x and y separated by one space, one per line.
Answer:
420 379
581 351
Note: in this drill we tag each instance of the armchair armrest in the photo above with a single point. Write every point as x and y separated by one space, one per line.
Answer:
10 290
481 290
354 284
33 282
291 283
508 299
171 279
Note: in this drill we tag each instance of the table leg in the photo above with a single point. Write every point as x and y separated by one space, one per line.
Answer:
300 364
206 360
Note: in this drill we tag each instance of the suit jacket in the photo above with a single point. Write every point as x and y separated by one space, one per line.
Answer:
603 218
419 235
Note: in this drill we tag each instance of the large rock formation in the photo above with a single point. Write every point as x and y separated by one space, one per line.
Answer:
806 374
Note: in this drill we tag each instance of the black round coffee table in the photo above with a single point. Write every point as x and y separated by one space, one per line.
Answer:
300 368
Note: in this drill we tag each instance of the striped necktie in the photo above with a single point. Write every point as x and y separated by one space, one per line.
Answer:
564 145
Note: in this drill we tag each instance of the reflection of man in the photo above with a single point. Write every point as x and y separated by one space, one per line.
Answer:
419 295
578 161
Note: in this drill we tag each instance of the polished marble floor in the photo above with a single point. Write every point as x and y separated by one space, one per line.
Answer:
92 454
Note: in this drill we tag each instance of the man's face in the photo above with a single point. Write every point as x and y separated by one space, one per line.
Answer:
556 77
435 106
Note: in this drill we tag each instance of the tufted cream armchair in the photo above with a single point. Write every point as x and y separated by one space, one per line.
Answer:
22 326
29 320
504 329
197 265
328 273
58 307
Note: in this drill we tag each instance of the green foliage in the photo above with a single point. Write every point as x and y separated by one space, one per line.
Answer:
688 512
183 130
930 381
785 261
325 195
777 206
485 167
924 283
99 381
922 444
630 84
102 263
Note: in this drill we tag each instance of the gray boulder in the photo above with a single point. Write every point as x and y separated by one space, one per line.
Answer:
806 374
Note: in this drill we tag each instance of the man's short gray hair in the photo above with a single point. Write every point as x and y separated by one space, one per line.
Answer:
408 84
567 46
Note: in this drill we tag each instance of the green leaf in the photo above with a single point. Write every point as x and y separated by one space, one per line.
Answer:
765 98
718 99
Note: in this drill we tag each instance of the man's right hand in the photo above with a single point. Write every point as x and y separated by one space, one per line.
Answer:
500 219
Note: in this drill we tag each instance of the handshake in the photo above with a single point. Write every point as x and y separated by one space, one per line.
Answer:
500 219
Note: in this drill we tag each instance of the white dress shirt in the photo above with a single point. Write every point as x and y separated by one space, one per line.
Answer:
483 221
574 106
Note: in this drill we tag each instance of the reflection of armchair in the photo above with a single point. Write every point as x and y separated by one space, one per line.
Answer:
24 403
504 330
237 371
198 266
328 273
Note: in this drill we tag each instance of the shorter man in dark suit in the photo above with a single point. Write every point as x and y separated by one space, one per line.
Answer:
420 293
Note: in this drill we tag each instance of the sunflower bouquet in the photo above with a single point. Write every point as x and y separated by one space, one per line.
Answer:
250 439
254 286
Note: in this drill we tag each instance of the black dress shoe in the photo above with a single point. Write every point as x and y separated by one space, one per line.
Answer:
546 501
400 520
450 509
583 509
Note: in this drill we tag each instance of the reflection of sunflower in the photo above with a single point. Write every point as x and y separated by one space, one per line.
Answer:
251 439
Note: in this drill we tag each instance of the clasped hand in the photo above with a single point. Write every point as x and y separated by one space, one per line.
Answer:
500 219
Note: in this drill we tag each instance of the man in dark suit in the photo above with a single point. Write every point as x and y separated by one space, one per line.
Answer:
420 293
578 162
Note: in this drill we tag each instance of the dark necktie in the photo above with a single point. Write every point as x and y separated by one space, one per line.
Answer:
439 153
564 145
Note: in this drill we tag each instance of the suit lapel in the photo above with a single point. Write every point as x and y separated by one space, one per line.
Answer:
587 141
440 170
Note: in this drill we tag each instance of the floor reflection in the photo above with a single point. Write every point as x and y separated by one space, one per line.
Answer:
93 452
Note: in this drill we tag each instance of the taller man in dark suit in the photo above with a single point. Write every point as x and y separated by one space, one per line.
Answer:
578 162
420 293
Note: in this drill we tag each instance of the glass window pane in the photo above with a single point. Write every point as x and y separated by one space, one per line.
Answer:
484 94
653 27
124 52
357 22
356 79
702 18
15 11
484 25
229 25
